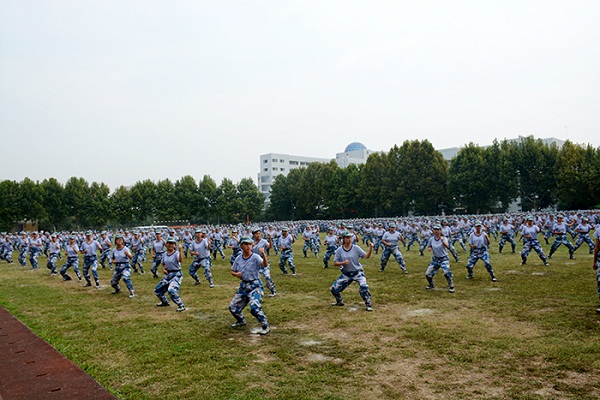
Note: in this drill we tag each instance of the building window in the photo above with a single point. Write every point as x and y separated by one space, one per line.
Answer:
265 188
266 169
303 163
282 161
264 179
282 169
274 160
274 168
265 161
293 162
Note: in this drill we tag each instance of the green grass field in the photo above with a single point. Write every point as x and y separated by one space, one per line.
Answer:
534 334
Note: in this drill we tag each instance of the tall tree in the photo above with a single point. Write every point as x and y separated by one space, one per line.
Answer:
575 177
187 198
122 206
281 206
227 204
9 204
251 200
76 197
207 189
98 205
144 199
53 203
536 173
467 180
165 200
31 201
372 188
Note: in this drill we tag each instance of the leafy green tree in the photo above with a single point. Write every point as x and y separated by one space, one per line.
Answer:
9 205
98 205
372 187
53 192
76 196
144 199
31 201
165 200
502 184
121 203
576 186
423 177
535 171
207 189
468 179
251 200
227 205
281 206
296 194
187 198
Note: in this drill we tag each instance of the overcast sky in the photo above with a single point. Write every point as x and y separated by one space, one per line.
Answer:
121 91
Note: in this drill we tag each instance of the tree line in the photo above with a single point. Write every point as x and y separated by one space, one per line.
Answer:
79 204
415 179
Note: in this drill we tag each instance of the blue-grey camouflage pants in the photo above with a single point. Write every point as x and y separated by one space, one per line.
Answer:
51 264
529 245
186 248
287 256
137 260
266 272
345 280
328 254
387 252
560 240
90 262
155 263
236 252
458 238
71 262
584 237
216 246
249 292
7 255
22 256
378 244
170 283
412 239
122 271
433 267
105 256
483 255
33 257
507 238
206 264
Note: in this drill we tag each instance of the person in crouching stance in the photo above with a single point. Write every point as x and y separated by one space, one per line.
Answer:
439 246
120 257
347 258
247 268
171 282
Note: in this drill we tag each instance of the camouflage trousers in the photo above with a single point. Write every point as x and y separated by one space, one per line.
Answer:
249 292
345 279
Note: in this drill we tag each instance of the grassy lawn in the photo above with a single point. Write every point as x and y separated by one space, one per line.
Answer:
533 334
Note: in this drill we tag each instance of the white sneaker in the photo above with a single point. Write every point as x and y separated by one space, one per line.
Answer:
238 324
265 331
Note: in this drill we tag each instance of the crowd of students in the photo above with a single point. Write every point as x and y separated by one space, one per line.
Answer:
125 251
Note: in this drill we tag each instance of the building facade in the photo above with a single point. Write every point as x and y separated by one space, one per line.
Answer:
274 164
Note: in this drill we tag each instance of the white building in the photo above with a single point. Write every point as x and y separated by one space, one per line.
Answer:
273 164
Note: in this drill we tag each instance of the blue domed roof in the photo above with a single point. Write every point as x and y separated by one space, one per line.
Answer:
355 146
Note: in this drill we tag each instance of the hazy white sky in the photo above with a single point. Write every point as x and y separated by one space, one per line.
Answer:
121 91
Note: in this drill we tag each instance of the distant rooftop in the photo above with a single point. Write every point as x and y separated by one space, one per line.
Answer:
451 152
355 146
